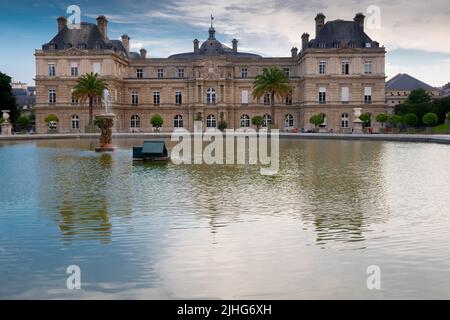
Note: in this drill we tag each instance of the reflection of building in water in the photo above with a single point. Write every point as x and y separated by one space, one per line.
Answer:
342 182
84 192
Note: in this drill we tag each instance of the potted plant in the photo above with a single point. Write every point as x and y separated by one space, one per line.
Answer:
52 122
410 120
222 123
430 120
394 121
382 118
157 122
258 122
316 120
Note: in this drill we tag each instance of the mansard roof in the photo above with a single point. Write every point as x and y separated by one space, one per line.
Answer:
86 37
405 82
339 33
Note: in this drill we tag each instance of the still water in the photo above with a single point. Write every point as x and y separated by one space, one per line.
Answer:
146 231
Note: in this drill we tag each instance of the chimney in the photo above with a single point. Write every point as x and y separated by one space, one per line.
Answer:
143 53
235 44
305 40
294 52
126 42
320 22
62 22
359 19
102 24
196 42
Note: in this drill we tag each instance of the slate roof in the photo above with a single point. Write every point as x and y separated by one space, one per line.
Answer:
338 32
405 82
87 37
213 47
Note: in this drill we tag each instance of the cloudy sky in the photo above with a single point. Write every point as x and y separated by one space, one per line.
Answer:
415 33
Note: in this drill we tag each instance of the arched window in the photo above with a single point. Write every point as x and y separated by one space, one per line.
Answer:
178 121
75 122
211 96
289 120
245 121
211 121
267 120
324 124
135 121
344 120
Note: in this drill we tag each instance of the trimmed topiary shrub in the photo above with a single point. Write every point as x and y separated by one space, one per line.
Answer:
410 119
157 121
430 119
257 121
317 120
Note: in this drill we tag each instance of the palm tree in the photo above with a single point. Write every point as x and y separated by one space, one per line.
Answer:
88 88
274 82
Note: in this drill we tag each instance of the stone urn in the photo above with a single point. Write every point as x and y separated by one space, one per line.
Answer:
6 124
105 122
357 123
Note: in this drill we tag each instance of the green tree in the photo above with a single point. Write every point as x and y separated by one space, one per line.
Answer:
410 119
317 120
89 88
273 82
366 118
23 122
382 118
7 100
418 96
157 121
394 120
430 119
257 121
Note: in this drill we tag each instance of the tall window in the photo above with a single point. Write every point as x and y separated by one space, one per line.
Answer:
344 95
134 98
160 73
75 122
345 67
181 72
74 69
97 67
52 96
135 121
368 95
267 99
156 97
211 121
324 124
211 96
344 120
322 95
288 100
267 120
178 97
139 73
322 67
74 99
289 121
52 70
178 121
245 121
244 72
287 71
368 67
244 96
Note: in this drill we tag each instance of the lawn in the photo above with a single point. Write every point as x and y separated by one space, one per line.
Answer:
442 128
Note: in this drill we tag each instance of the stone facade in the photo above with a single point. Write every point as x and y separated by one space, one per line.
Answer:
212 80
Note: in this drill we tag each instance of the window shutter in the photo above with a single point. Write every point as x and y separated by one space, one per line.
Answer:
97 67
244 96
322 89
344 94
368 91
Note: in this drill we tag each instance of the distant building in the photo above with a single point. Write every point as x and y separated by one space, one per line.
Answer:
25 95
399 87
445 91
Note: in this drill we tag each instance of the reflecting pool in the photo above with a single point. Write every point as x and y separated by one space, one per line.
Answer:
165 231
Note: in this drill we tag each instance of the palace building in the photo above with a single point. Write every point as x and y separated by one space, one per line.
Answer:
342 68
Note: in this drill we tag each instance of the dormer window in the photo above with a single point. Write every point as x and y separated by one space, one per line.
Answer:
67 46
82 46
322 45
98 46
52 46
368 45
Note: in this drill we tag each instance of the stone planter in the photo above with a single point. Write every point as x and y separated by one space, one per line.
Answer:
411 130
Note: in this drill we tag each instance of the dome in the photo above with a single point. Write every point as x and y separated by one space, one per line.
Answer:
211 47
